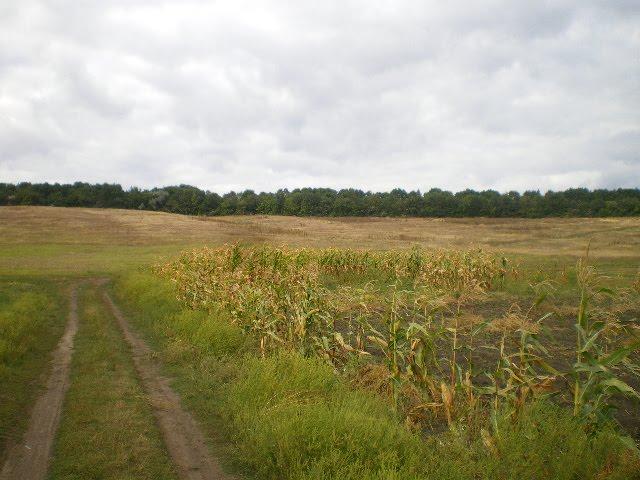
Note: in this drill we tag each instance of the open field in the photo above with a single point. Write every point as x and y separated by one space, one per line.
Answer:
79 240
403 353
615 237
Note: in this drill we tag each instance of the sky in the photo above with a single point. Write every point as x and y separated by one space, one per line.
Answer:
229 95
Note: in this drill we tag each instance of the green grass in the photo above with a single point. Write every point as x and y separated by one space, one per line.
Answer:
107 429
78 260
32 319
561 270
290 417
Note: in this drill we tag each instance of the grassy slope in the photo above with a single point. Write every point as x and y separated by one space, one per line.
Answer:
32 318
77 241
290 417
107 429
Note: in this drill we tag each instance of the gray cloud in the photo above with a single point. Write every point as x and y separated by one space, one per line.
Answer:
232 95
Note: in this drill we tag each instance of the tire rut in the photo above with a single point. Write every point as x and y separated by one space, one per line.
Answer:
183 437
29 460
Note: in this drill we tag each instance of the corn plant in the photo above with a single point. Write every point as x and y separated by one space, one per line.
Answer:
276 295
524 373
595 373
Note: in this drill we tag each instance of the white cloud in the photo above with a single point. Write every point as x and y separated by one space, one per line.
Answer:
377 94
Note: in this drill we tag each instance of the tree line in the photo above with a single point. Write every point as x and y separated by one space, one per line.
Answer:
326 202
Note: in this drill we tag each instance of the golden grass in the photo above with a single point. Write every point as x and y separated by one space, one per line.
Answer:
84 239
557 236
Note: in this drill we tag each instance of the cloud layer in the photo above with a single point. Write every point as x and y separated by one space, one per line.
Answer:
373 94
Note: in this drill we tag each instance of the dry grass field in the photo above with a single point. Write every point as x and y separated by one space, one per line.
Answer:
75 240
555 236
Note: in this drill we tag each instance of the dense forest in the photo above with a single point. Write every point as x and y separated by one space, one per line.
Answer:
190 200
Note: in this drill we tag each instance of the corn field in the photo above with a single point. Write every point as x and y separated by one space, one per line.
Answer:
394 322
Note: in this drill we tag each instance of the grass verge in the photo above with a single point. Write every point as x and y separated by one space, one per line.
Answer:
32 319
107 429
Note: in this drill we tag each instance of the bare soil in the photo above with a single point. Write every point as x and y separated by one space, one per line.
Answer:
182 435
29 460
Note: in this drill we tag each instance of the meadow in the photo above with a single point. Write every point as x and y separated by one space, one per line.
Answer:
334 348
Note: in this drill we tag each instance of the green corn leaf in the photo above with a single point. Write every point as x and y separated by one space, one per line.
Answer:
607 291
621 386
478 328
591 368
548 367
620 354
590 342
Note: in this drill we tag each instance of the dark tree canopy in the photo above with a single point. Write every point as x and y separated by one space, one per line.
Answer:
326 202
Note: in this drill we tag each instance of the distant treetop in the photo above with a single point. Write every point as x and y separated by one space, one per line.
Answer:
326 202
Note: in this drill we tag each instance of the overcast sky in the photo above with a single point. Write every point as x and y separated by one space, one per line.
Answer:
369 94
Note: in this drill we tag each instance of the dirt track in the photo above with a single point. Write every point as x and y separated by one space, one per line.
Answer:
182 435
183 438
29 460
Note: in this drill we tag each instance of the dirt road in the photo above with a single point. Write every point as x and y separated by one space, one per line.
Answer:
182 435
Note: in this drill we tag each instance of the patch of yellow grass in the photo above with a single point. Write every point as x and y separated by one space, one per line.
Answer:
513 320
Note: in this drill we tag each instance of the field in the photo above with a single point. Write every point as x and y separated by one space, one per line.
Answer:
315 348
